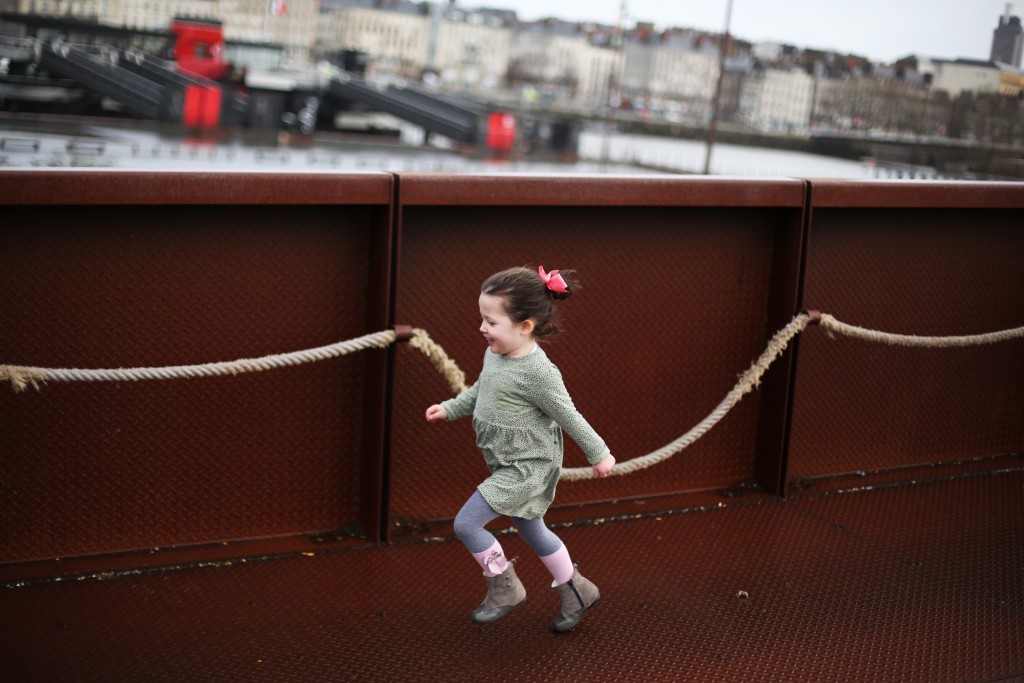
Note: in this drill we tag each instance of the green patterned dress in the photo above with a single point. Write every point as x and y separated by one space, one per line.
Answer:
520 406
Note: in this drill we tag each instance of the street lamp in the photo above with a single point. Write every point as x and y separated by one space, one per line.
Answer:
716 105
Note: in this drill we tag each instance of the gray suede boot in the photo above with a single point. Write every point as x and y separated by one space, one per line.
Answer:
505 592
578 595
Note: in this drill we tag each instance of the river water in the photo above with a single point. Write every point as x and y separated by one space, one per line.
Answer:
103 143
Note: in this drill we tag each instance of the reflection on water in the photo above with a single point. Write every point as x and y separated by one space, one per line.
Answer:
687 156
83 143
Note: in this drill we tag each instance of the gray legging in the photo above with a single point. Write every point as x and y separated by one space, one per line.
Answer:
476 513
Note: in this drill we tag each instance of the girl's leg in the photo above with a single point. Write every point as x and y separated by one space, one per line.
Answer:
505 591
578 594
548 546
469 527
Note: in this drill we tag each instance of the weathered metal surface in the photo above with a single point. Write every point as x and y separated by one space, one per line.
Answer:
915 195
96 468
81 187
673 305
683 280
776 390
914 583
862 407
437 189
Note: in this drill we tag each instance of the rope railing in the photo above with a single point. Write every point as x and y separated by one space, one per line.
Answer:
833 325
748 381
23 377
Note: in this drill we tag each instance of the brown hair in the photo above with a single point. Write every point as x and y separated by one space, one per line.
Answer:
527 297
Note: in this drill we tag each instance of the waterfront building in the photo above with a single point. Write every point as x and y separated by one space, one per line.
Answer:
777 99
670 74
971 75
561 60
878 104
138 14
1011 81
472 50
675 67
915 69
462 48
396 38
289 23
1008 39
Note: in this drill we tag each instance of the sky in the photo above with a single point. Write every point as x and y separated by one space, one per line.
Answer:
881 30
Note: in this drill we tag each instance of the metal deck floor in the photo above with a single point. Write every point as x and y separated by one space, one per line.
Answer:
917 581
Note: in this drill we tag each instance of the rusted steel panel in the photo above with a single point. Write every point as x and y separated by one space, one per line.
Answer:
776 390
427 189
916 194
969 532
117 187
92 468
916 583
673 306
861 407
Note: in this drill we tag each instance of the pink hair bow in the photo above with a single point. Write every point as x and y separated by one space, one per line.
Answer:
553 280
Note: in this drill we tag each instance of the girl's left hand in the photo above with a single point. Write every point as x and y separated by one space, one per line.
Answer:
604 468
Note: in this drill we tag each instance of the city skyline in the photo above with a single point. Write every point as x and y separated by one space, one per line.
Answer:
880 30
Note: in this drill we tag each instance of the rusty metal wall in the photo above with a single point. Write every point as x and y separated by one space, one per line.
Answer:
928 259
674 303
683 280
188 270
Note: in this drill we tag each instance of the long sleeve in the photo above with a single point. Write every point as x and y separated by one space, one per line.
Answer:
521 413
551 396
463 404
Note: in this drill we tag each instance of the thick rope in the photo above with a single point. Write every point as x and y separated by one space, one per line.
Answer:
752 378
748 381
23 377
833 325
455 377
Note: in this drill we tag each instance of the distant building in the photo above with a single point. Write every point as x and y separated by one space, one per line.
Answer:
396 39
461 47
971 75
676 68
561 59
290 23
916 70
777 99
472 49
1008 40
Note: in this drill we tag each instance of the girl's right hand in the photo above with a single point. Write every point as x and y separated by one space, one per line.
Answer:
436 413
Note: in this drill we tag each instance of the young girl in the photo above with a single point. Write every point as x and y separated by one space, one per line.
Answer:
520 406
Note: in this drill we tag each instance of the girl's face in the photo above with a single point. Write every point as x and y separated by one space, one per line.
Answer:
503 336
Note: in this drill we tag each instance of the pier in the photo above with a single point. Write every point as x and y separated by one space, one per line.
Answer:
857 517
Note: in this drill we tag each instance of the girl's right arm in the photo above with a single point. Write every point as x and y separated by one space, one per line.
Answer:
436 413
454 408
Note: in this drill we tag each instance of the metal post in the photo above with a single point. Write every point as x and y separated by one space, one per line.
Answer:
615 80
716 104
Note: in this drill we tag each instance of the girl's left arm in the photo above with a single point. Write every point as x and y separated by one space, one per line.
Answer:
553 399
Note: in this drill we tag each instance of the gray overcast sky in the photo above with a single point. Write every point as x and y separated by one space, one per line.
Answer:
882 30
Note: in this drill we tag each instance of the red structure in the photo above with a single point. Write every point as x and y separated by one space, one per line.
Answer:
199 48
501 132
199 51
